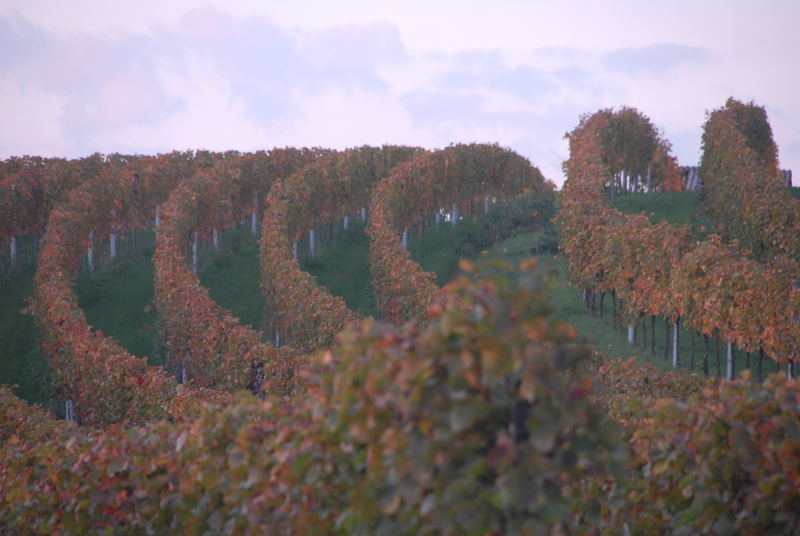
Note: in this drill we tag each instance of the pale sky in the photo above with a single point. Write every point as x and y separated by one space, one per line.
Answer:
78 77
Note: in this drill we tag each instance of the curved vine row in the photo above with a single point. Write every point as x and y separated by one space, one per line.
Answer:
30 186
409 430
744 188
420 187
659 269
203 339
305 313
106 383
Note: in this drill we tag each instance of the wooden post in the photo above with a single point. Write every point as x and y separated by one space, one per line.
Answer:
112 245
649 187
90 252
346 222
454 214
760 363
405 239
676 331
13 251
294 249
254 223
215 237
643 322
69 411
486 205
613 190
195 252
363 214
277 339
790 370
729 360
631 334
653 334
183 374
311 244
613 310
158 218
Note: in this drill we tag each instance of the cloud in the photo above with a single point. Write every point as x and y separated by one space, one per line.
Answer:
488 69
438 108
246 75
210 117
130 87
30 120
21 42
654 58
355 47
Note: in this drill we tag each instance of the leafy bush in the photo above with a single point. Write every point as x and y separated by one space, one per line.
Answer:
481 422
723 462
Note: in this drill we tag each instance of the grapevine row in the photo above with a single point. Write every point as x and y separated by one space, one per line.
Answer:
30 186
304 313
205 342
744 189
659 269
458 174
105 383
405 432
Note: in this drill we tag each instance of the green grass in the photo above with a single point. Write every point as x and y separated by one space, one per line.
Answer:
118 301
795 191
599 332
570 308
118 298
565 298
440 250
672 207
343 267
21 360
232 276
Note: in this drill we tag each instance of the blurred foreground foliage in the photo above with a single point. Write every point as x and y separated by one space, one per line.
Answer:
486 419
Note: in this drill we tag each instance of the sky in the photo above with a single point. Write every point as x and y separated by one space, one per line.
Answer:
148 77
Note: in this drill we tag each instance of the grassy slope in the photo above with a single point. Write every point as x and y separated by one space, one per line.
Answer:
343 267
21 361
439 252
116 301
570 309
232 277
672 207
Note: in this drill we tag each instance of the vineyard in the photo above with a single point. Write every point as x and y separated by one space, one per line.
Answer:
463 404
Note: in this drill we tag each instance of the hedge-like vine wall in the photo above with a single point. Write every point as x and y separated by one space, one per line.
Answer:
458 174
